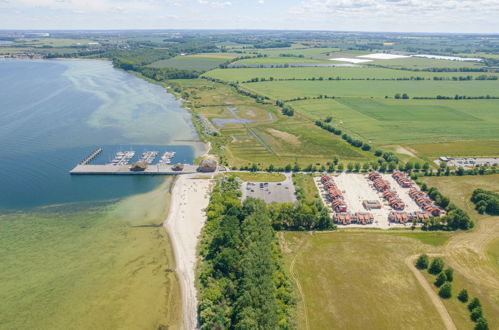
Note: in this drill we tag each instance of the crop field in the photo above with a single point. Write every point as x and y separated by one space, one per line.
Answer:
195 63
286 90
386 121
245 74
419 63
317 52
346 281
279 60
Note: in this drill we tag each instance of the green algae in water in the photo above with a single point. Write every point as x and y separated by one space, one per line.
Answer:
104 265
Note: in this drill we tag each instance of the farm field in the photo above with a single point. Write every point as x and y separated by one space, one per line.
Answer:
386 121
245 74
418 63
279 60
346 281
286 90
195 63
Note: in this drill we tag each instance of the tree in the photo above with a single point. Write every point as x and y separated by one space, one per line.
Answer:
482 324
449 274
436 266
474 303
476 313
463 296
405 96
350 167
397 96
460 171
441 279
422 262
445 291
426 166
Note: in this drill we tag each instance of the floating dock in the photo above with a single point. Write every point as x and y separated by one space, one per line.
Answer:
109 169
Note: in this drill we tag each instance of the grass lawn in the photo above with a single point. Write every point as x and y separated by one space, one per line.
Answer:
245 74
350 280
438 127
259 177
297 51
305 183
195 63
286 90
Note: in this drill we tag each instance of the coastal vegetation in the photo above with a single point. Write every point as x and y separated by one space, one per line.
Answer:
242 280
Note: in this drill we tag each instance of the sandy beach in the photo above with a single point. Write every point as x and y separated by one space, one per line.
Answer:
190 196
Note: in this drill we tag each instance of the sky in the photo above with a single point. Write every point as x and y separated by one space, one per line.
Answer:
456 16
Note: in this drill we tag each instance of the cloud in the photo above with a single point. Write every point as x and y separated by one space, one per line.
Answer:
215 4
260 2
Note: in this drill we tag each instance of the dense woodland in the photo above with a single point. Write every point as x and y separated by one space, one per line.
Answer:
242 281
486 201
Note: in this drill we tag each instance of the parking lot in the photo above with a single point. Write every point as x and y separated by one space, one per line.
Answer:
279 192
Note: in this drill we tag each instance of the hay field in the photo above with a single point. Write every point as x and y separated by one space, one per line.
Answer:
357 280
286 90
419 63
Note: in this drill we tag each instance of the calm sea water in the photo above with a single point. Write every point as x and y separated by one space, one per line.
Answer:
53 113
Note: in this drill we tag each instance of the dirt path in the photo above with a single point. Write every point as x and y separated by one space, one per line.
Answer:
184 222
435 299
466 252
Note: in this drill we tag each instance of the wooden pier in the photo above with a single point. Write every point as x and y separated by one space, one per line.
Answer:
92 156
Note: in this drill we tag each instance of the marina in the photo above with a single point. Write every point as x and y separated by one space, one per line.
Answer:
128 163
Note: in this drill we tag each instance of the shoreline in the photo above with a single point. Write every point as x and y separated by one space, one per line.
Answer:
185 219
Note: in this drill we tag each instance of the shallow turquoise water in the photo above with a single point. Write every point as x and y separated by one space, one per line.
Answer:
53 113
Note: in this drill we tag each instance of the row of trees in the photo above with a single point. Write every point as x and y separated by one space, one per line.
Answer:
486 201
443 282
354 142
243 284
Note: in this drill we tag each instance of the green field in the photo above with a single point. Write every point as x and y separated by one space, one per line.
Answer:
419 63
387 121
350 280
314 52
279 60
286 90
305 183
493 253
195 63
259 177
105 265
245 74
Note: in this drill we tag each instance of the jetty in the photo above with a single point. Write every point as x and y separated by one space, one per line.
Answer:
109 169
91 157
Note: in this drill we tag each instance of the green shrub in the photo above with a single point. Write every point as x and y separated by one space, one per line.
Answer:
449 273
482 324
445 291
436 266
422 262
441 279
475 302
476 314
463 295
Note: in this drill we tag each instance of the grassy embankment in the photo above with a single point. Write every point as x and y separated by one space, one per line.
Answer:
80 266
